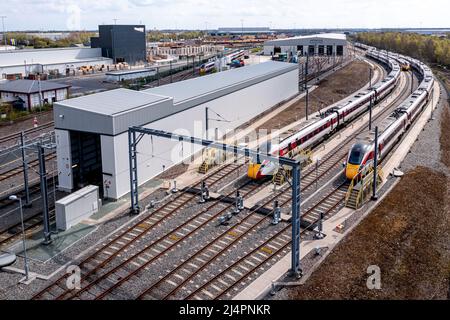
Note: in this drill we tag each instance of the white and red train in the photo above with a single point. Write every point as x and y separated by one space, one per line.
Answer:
393 127
330 121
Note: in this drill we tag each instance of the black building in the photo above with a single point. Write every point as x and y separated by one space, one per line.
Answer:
122 43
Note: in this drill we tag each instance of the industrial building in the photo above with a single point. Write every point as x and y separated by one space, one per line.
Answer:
122 43
29 94
92 131
122 75
184 50
49 61
327 44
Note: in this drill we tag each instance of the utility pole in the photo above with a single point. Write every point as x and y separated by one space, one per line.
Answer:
306 84
40 93
25 170
4 33
370 114
206 122
375 165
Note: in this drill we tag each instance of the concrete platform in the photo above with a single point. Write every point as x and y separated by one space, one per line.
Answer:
37 251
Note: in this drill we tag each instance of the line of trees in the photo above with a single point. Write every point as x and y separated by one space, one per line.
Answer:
155 36
432 49
26 40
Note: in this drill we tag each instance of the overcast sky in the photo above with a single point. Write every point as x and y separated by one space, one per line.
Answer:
197 14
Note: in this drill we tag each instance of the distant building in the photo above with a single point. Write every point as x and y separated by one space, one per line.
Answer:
26 92
241 30
50 61
122 43
185 50
327 44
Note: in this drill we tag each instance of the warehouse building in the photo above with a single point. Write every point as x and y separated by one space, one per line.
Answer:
327 44
96 151
29 94
55 61
122 43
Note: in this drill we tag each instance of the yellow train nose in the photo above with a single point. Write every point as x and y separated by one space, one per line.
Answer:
351 171
253 170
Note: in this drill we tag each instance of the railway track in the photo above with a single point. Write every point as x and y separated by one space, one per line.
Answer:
19 170
276 246
31 225
16 136
101 283
125 239
184 274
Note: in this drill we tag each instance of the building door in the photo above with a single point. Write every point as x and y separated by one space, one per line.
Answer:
329 50
340 50
276 50
300 50
311 50
321 50
86 160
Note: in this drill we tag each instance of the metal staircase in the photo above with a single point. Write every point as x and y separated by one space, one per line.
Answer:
361 188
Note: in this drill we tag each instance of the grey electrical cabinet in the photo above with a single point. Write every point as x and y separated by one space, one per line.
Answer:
76 207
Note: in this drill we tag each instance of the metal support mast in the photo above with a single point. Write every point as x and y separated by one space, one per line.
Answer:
25 171
206 122
295 256
294 164
306 84
375 166
44 194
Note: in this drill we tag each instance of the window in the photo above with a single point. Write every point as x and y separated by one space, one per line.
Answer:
356 156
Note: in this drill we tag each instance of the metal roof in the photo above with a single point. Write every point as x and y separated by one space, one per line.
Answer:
190 93
113 102
113 112
30 86
292 40
50 56
110 112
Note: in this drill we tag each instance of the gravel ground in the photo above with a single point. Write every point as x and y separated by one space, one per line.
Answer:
417 212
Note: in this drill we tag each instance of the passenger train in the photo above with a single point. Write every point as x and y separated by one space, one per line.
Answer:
207 67
362 153
235 55
329 122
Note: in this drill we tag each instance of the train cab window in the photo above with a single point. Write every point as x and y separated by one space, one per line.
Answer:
356 157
